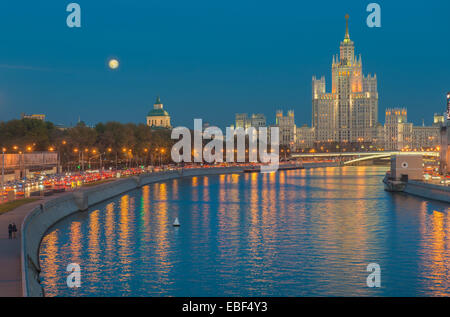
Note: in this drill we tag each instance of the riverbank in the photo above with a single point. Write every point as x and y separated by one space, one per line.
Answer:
418 188
19 258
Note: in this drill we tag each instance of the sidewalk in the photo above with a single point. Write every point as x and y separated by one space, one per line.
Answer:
10 250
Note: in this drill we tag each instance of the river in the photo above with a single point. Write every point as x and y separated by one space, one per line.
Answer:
292 233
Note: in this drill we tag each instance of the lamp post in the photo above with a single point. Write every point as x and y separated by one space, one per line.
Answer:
79 160
160 156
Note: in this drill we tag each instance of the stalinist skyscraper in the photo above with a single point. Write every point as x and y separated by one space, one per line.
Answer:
350 112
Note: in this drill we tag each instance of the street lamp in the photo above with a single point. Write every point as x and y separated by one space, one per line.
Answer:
75 150
160 156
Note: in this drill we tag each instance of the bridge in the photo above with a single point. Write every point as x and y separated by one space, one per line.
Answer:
349 158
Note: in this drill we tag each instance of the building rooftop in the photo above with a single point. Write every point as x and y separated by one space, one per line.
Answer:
157 113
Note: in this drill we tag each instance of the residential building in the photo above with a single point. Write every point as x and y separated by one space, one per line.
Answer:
256 120
33 116
305 137
397 131
349 112
286 125
425 137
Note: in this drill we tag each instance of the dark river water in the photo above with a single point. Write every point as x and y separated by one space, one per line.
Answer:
291 233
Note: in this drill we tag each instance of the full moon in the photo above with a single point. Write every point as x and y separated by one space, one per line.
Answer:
113 64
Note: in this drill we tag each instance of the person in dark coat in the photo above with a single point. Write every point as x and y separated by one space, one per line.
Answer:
10 229
14 230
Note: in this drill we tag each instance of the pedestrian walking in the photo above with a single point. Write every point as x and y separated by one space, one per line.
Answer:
14 230
10 229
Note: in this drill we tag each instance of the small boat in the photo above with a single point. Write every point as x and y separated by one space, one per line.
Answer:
176 223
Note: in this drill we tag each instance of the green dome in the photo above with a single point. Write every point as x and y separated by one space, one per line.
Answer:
158 113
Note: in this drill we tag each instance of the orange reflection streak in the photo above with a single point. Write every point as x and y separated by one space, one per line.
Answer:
145 201
123 251
145 222
206 188
194 189
255 228
50 264
109 230
145 205
161 235
175 189
436 251
93 244
228 217
75 241
341 216
206 206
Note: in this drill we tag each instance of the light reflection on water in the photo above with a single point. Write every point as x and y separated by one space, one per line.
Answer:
292 233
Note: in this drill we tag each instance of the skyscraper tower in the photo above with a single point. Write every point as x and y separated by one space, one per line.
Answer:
350 112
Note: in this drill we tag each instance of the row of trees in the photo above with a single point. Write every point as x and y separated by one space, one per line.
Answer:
107 143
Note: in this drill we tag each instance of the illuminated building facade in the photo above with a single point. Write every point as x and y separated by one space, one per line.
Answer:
286 125
34 116
305 137
257 120
397 131
349 112
425 137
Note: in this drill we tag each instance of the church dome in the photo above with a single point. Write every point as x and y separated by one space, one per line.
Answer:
157 113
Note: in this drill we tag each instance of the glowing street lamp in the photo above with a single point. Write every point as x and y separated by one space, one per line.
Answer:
160 156
3 170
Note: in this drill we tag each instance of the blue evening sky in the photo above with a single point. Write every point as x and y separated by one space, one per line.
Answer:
210 59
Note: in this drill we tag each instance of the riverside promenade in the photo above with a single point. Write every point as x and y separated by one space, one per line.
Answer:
10 250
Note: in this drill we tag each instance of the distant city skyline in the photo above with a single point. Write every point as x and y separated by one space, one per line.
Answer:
212 60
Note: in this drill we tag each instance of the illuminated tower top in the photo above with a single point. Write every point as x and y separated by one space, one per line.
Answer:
347 36
347 47
158 104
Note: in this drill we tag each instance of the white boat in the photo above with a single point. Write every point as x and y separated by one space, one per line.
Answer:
176 223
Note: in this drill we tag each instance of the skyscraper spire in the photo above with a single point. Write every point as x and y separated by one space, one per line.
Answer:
347 36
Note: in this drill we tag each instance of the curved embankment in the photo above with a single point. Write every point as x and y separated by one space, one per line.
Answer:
43 217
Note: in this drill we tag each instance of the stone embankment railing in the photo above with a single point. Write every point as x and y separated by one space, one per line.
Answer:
429 191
